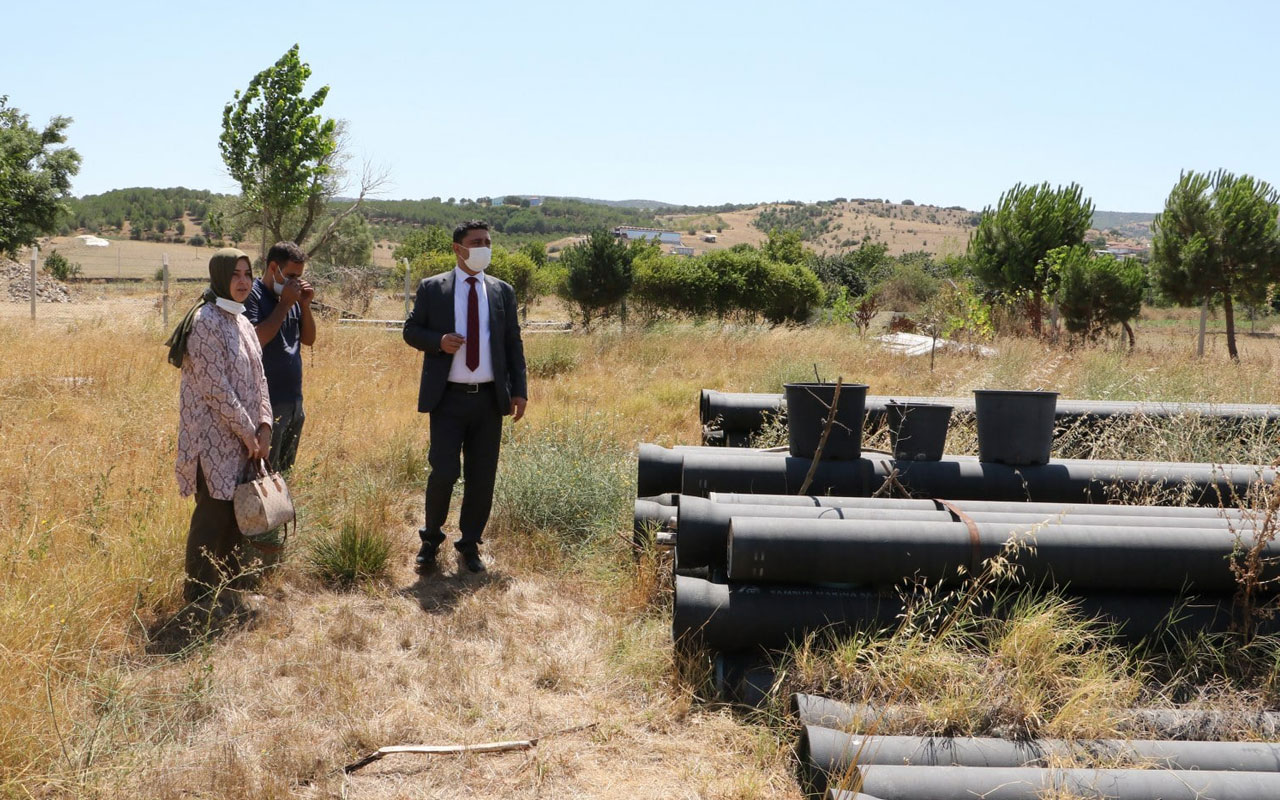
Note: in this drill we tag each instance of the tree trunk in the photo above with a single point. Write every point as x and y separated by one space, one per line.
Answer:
1128 330
1037 311
1229 314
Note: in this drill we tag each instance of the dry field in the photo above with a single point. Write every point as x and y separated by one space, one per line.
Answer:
560 633
903 228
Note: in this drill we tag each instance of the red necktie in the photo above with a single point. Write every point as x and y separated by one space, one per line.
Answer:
473 327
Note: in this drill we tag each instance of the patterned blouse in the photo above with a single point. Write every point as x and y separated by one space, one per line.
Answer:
223 401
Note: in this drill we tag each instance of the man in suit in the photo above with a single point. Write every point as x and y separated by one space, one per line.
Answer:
473 374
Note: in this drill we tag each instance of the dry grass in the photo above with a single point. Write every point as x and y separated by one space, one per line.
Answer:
904 229
92 533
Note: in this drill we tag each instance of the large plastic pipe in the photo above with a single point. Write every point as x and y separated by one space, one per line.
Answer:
703 525
658 468
825 752
741 617
1165 723
712 437
743 678
739 411
959 478
648 516
1030 783
876 553
972 506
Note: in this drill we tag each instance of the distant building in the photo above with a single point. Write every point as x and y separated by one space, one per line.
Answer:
630 234
1122 250
709 237
679 250
535 202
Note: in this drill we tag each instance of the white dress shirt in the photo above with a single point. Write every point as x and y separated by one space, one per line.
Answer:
458 372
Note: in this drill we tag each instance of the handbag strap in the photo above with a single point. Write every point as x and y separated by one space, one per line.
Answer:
254 468
273 549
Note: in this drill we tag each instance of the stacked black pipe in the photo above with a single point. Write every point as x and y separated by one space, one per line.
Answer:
842 746
759 566
701 471
732 418
775 573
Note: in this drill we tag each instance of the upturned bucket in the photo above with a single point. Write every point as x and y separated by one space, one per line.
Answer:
808 405
917 431
1014 427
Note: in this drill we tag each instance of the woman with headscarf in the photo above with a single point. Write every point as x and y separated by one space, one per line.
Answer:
224 419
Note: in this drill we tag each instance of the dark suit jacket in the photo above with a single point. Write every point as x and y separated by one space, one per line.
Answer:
432 318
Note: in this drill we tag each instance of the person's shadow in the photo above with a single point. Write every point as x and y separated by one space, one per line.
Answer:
438 591
193 626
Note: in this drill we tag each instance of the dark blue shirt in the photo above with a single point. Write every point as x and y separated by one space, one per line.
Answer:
282 356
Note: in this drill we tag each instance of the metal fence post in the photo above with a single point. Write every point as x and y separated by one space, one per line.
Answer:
1204 316
164 303
35 254
408 286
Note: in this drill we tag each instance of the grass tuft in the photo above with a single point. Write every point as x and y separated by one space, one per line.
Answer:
571 477
352 555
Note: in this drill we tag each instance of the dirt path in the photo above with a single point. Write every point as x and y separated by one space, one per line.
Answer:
323 678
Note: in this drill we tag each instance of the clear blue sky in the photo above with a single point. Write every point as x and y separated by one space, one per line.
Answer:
691 102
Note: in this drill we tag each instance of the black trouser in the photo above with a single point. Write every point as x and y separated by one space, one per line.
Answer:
466 424
286 429
213 544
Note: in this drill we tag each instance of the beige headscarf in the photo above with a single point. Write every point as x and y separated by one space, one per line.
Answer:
221 268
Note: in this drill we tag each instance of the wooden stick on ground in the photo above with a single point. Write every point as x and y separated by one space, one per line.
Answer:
453 749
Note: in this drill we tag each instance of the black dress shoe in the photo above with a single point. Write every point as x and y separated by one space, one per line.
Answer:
426 560
471 560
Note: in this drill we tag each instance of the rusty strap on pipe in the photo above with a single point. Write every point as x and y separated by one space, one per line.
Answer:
975 541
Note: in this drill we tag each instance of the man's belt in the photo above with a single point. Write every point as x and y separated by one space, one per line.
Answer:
469 388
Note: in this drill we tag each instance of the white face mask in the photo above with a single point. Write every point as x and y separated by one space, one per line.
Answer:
229 305
478 258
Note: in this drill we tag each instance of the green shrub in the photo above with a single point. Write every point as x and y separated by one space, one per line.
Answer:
60 267
907 287
354 554
572 478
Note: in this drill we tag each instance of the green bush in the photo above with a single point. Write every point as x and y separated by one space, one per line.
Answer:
57 265
354 554
573 479
664 285
907 287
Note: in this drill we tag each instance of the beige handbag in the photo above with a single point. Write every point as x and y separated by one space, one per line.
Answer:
262 500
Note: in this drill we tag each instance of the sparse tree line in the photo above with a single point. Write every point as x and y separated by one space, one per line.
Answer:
1216 242
146 210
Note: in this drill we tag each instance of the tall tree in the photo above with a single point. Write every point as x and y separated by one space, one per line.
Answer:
1014 237
35 177
351 244
597 274
1096 292
286 157
1217 241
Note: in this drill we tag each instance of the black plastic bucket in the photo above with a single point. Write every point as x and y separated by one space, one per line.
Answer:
1014 427
808 405
917 431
